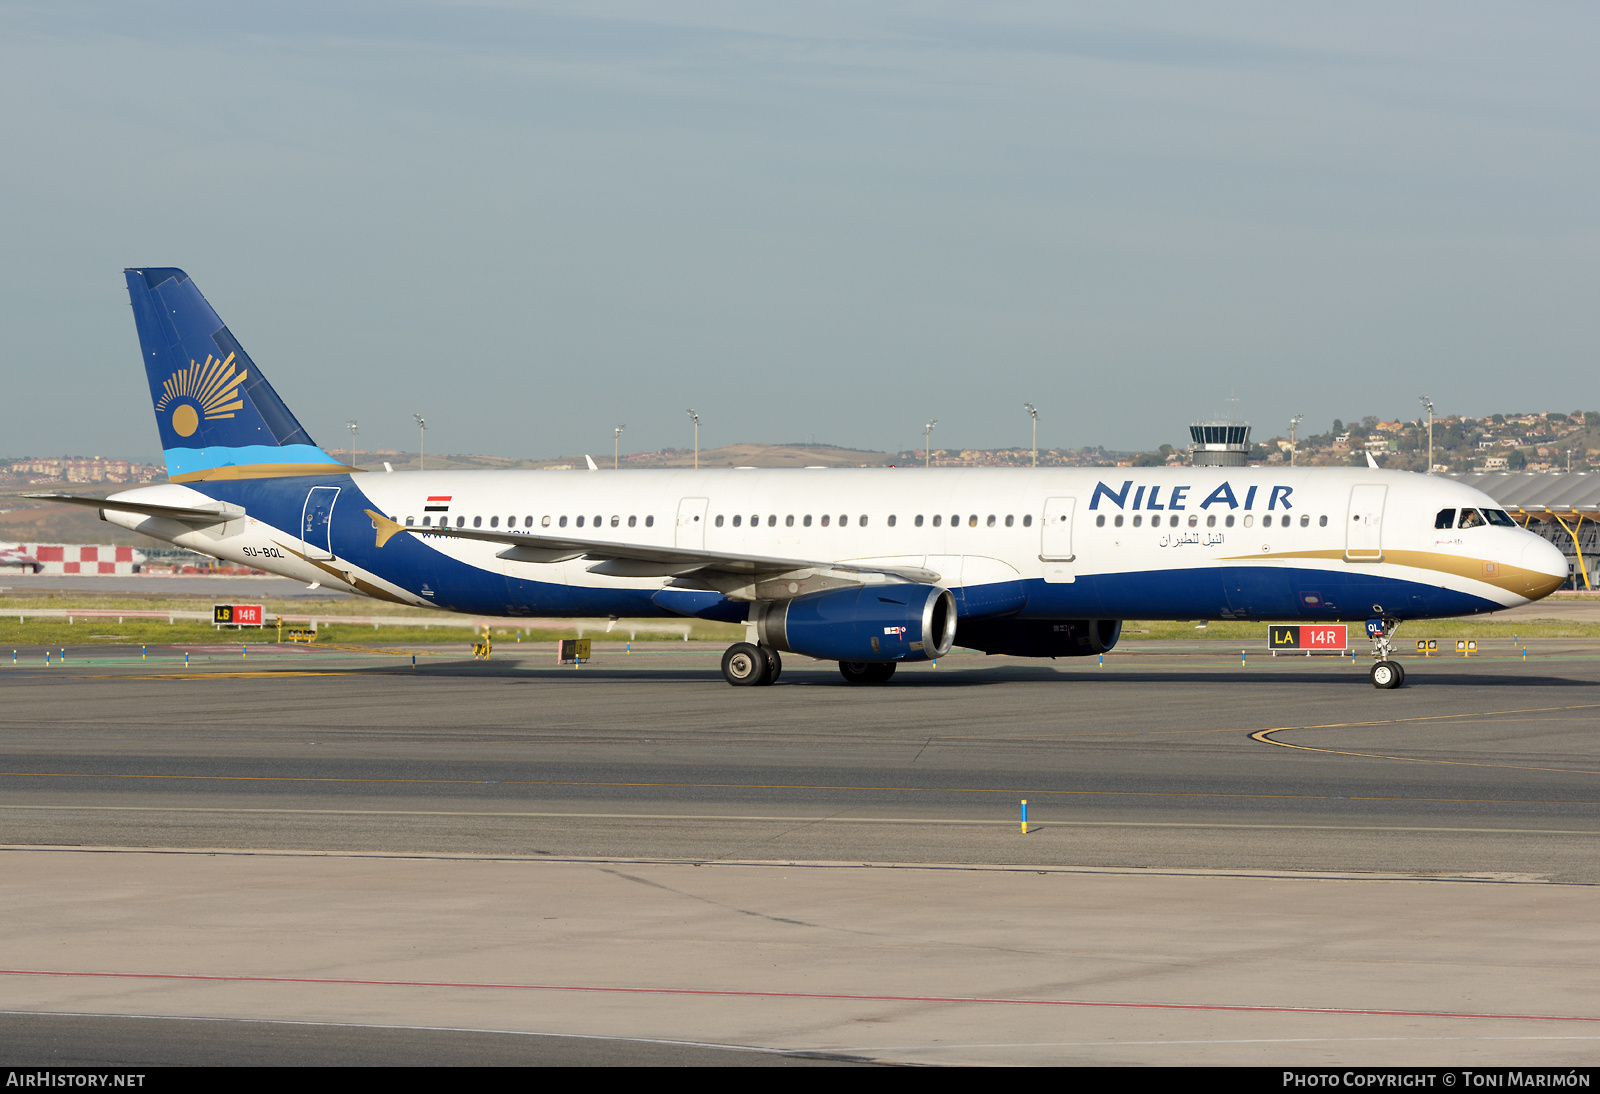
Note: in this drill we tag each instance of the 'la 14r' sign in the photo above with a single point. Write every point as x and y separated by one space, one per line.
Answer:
1323 636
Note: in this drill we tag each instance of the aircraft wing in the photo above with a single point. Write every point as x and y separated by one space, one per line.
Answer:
220 515
639 560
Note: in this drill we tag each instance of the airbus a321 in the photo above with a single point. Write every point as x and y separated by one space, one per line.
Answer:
869 567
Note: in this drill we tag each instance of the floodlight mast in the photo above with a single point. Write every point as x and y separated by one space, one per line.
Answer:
927 441
616 447
696 419
1294 424
422 443
1430 433
354 429
1034 414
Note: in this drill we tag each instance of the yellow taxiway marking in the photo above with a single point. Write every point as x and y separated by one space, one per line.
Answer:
1265 737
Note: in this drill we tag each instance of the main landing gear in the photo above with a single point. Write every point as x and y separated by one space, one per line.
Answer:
1386 672
866 672
747 665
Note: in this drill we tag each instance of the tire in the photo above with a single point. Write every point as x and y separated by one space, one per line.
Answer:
744 665
1401 669
866 672
774 665
1386 675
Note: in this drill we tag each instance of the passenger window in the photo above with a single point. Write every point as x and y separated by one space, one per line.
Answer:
736 520
580 522
544 522
1249 520
1227 521
937 519
825 519
633 522
615 521
843 520
597 520
1322 522
1266 521
427 522
862 520
1137 520
1305 520
807 520
891 520
788 521
955 520
477 522
1100 520
494 522
1211 520
1117 520
772 520
1193 520
755 521
1027 521
990 521
650 522
461 522
972 521
409 520
918 521
1010 520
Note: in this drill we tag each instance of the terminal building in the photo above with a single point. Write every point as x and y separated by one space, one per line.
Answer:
1561 506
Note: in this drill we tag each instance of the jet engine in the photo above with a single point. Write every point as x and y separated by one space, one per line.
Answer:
864 623
1041 637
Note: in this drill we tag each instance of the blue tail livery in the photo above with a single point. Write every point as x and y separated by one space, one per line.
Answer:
218 416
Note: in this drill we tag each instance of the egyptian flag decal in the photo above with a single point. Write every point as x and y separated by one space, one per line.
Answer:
438 504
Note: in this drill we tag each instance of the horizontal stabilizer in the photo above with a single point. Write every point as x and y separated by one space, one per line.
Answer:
220 515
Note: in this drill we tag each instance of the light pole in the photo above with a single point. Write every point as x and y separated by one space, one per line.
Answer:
927 440
616 447
696 419
422 443
1294 424
354 429
1430 433
1034 414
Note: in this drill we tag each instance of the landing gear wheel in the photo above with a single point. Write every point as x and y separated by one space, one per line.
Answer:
866 672
774 665
1387 675
744 665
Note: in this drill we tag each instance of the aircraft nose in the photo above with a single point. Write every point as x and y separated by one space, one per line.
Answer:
1545 567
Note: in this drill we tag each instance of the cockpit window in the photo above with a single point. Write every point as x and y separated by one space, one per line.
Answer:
1445 519
1471 518
1500 517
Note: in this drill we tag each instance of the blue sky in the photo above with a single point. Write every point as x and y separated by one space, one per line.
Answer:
534 221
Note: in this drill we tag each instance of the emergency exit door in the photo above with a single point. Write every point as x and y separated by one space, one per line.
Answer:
1363 524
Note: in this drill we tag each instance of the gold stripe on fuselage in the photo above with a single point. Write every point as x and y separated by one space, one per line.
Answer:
1529 584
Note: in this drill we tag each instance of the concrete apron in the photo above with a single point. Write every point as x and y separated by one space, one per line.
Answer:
915 963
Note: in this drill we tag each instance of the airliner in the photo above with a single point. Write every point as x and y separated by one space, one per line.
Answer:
869 567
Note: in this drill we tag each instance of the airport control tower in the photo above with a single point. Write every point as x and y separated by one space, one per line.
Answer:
1219 443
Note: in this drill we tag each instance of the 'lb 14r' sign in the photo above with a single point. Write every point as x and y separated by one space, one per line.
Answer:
1328 636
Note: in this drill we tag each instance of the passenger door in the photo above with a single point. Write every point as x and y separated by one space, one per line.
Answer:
1363 525
690 533
315 521
1055 540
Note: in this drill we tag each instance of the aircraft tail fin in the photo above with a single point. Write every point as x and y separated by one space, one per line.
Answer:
218 416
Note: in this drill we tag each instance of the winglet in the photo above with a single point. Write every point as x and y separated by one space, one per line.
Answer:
387 528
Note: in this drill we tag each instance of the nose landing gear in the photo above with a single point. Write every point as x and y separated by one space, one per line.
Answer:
1386 672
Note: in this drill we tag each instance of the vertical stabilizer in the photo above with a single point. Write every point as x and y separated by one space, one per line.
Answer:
218 416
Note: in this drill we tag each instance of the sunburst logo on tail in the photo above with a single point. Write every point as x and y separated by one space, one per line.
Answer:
210 389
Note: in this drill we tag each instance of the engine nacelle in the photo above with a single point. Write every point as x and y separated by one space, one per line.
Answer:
1041 637
864 623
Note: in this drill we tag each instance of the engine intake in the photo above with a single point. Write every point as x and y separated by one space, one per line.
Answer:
864 623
